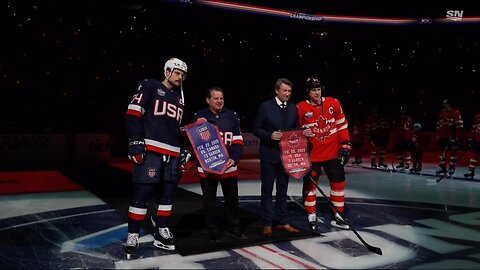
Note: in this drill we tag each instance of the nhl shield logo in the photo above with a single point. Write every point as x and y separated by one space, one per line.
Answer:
204 133
152 172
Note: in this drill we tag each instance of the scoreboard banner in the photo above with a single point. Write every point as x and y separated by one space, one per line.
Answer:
294 149
208 146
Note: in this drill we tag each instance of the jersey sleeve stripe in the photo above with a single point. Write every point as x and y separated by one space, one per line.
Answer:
340 121
135 110
162 148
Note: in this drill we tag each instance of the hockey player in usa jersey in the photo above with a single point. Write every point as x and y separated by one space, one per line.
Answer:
228 124
153 128
330 148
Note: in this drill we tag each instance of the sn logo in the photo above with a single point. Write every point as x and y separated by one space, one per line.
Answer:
454 15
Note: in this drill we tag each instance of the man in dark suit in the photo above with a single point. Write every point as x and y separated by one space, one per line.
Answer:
272 117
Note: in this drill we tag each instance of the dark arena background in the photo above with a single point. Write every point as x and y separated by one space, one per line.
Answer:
68 70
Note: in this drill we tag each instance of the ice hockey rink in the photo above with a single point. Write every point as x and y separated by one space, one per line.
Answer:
59 219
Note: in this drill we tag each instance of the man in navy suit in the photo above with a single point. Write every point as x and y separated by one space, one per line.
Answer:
272 117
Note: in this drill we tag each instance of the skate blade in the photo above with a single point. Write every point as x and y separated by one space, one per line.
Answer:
344 227
159 245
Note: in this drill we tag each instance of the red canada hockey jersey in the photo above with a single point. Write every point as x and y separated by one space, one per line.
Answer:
377 125
476 128
449 123
357 134
329 124
405 128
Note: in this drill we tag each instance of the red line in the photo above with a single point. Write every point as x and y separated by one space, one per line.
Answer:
261 258
290 258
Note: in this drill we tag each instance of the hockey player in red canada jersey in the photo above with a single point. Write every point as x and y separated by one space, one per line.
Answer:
449 129
330 148
377 131
403 135
153 128
416 146
357 135
474 146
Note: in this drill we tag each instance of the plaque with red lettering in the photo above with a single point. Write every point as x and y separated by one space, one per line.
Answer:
208 146
295 156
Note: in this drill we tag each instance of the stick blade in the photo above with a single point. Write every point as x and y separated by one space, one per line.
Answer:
373 249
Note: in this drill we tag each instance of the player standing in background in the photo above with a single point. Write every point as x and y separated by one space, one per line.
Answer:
153 128
403 139
449 128
474 146
357 134
330 148
377 130
228 124
416 148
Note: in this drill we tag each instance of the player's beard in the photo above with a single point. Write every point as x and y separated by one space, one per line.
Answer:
174 83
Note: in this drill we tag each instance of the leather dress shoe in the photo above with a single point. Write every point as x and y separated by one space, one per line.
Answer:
236 233
286 228
267 231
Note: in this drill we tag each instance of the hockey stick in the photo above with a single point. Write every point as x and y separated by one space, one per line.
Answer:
443 158
368 246
393 165
454 165
441 177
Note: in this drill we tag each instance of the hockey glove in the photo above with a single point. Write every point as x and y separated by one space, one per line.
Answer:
470 143
185 163
453 143
414 144
473 146
137 150
344 153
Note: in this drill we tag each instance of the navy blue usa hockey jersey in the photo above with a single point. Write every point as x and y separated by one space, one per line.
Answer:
228 124
154 114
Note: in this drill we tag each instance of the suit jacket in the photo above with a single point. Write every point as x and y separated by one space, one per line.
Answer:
269 119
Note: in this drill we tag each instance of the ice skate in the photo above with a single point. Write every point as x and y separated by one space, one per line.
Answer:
470 174
416 169
131 245
236 233
312 220
451 171
337 221
164 239
400 167
383 165
441 170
